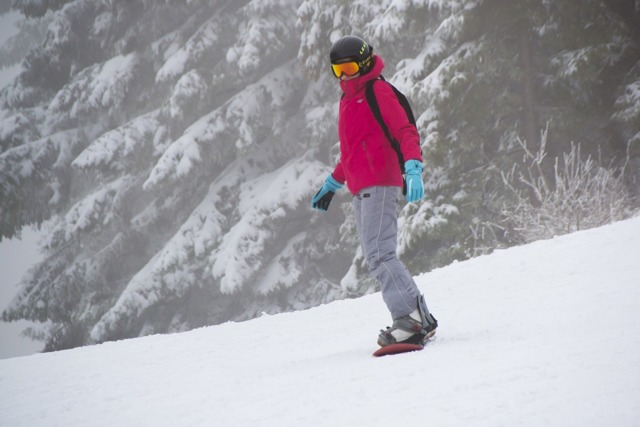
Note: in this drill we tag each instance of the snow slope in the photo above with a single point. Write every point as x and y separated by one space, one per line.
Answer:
543 334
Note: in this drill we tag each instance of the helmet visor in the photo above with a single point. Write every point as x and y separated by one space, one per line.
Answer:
347 68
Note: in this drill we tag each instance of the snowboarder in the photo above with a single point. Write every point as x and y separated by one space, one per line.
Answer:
369 165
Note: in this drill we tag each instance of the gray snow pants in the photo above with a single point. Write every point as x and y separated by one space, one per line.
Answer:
377 225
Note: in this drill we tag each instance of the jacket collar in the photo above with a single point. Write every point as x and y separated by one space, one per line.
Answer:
351 88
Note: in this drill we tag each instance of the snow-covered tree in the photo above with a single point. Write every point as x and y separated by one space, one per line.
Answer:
506 69
173 147
169 147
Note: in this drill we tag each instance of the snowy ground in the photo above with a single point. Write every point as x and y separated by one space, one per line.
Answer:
545 334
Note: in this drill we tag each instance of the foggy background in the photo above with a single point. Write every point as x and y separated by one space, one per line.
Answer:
17 254
173 149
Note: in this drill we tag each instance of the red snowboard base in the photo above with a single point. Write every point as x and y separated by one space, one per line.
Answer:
396 348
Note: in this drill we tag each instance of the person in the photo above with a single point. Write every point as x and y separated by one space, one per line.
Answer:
369 165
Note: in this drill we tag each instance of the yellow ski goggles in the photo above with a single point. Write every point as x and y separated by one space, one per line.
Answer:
347 68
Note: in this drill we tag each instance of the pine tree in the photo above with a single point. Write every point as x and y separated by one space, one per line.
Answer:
173 148
509 69
145 101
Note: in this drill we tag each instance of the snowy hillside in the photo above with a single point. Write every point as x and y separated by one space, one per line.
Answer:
543 334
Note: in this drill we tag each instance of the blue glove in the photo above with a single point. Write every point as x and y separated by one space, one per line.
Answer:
415 187
322 199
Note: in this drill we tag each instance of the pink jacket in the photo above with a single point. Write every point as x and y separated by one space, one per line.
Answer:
366 156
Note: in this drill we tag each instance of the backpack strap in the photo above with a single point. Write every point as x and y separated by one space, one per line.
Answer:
375 109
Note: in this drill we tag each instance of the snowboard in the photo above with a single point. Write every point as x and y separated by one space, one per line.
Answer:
397 349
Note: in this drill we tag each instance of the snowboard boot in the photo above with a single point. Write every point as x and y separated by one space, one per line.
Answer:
414 328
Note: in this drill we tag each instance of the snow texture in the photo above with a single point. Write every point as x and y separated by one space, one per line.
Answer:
262 202
96 88
543 334
113 146
179 61
286 189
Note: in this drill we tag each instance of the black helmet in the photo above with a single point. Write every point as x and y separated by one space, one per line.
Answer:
352 48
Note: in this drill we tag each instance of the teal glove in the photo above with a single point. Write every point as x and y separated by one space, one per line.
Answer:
322 199
415 187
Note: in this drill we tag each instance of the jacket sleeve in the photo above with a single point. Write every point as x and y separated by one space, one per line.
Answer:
338 173
397 121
